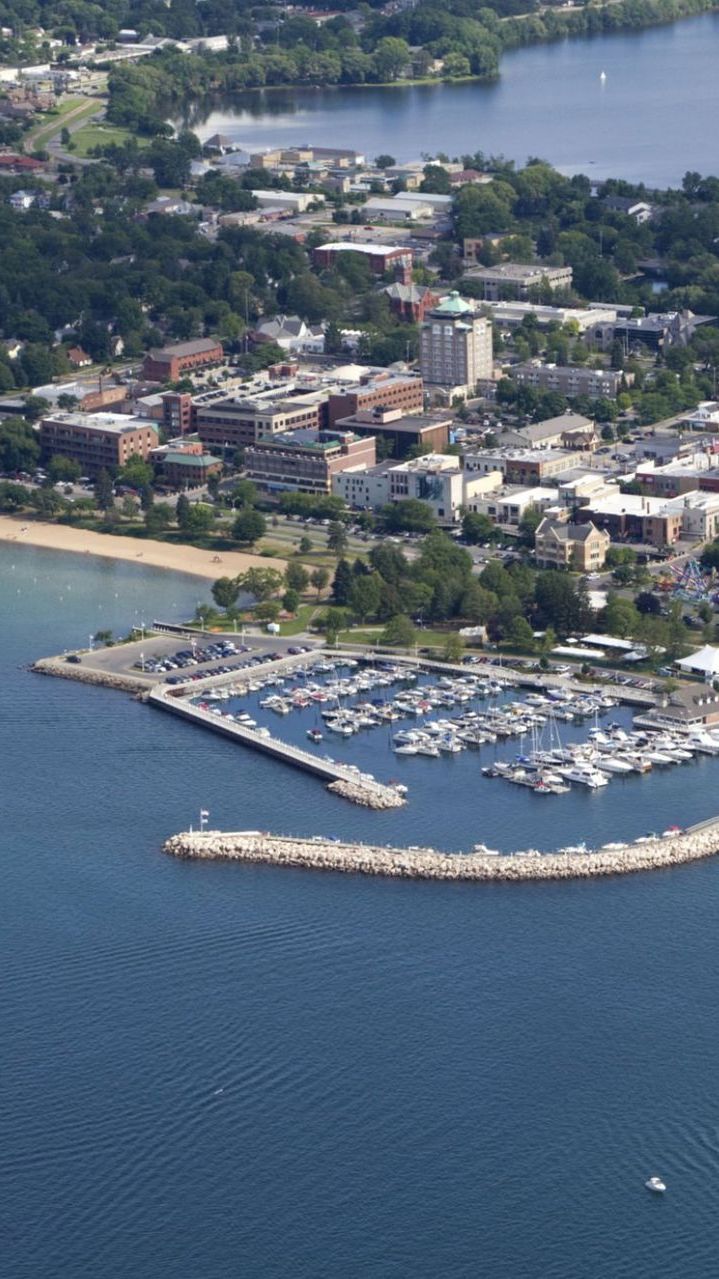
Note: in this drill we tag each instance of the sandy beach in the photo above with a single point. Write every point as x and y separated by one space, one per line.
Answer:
180 559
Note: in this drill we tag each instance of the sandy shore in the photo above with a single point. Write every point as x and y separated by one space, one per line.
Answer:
181 559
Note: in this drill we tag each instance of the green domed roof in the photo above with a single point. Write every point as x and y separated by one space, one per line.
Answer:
453 305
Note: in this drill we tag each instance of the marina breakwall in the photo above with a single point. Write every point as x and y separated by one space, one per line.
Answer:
58 667
427 863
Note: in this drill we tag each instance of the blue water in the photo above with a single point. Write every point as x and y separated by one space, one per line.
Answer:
649 121
419 1080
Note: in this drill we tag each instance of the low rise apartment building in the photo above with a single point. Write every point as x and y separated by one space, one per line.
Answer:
569 379
307 460
97 441
559 544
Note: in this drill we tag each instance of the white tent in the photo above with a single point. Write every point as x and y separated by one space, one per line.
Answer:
704 662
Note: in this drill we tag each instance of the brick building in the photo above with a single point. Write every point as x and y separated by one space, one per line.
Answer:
381 257
235 423
402 433
170 362
306 460
386 390
98 440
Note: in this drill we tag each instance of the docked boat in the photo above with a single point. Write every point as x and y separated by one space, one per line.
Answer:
585 774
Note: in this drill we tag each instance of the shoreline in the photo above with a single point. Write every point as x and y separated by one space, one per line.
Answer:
190 560
354 858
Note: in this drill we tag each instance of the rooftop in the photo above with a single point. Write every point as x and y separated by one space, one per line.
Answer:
114 423
196 347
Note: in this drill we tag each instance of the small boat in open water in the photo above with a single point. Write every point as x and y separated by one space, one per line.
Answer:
656 1185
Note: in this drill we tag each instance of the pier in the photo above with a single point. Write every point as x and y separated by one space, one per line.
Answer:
341 779
647 853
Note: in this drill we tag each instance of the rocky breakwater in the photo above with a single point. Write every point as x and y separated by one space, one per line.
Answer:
427 863
59 667
368 794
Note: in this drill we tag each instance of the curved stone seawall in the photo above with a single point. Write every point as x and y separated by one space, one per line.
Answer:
427 863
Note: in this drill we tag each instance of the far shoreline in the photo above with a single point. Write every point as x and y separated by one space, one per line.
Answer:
190 560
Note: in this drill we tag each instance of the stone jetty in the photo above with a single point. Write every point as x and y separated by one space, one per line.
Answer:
427 863
59 667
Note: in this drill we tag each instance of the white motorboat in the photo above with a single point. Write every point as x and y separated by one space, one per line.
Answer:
656 1185
585 774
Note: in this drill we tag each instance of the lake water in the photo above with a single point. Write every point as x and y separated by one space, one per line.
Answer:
650 120
416 1079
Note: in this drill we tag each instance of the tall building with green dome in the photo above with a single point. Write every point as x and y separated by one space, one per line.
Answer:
455 346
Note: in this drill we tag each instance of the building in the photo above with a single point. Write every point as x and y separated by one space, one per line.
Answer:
377 390
289 201
704 664
569 379
630 518
78 357
170 362
401 432
658 331
306 460
567 431
521 466
639 210
519 279
381 257
559 544
689 707
21 201
185 465
291 334
397 210
595 323
97 440
231 424
705 416
177 414
455 346
506 505
410 301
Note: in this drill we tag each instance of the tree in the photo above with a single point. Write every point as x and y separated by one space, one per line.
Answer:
529 524
409 516
261 583
296 577
200 519
129 507
557 601
244 492
399 631
104 495
478 528
305 545
454 647
648 603
332 623
19 449
319 579
249 526
182 512
620 617
342 583
61 468
520 634
267 611
158 518
384 161
337 540
290 601
365 594
225 592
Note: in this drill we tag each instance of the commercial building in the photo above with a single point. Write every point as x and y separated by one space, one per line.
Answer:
184 463
233 423
397 210
569 379
401 433
521 466
455 346
97 440
387 390
306 460
519 279
169 363
595 323
381 257
506 505
291 201
659 331
436 479
567 431
559 544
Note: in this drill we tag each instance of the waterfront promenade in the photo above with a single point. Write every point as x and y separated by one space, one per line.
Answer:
647 853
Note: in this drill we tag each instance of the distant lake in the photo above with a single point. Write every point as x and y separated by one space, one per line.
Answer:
650 120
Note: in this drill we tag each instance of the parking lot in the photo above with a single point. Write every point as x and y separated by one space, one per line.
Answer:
175 659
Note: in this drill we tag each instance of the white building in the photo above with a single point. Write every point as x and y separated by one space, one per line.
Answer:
705 415
436 479
291 201
397 210
506 506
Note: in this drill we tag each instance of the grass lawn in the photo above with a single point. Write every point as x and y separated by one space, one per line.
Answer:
39 138
102 135
371 635
305 613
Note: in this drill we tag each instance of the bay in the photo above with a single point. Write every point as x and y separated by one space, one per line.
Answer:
650 121
236 1070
